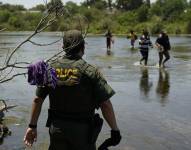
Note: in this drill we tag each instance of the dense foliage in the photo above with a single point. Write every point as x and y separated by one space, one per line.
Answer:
120 16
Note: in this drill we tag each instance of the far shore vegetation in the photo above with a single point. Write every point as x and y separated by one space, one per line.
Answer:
121 16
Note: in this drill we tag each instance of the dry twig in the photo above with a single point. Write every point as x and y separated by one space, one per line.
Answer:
50 16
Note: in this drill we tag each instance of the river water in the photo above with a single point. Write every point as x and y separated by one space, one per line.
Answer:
152 105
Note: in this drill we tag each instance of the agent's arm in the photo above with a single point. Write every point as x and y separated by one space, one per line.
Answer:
109 115
31 132
104 92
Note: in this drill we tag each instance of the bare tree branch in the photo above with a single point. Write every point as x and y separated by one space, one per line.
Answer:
56 56
12 77
50 22
48 19
40 27
51 15
6 75
15 65
17 47
38 44
42 21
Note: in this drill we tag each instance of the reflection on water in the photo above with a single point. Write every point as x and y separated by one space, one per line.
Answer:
145 84
109 53
163 86
184 57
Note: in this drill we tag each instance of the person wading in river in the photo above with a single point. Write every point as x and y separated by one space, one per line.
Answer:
80 89
144 43
109 41
133 38
163 45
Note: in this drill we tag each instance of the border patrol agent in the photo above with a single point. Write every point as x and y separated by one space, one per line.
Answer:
80 90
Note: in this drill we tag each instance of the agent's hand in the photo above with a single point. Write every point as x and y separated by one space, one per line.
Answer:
115 137
113 141
30 136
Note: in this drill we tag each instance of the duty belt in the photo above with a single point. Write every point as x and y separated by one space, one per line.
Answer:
63 116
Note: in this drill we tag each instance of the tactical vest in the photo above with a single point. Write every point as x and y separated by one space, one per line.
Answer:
74 92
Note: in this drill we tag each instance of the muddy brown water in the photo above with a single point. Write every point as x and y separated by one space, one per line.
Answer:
152 105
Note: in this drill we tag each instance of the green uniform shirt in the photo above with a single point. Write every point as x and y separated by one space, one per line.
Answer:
102 91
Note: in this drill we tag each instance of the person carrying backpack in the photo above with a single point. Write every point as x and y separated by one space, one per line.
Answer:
163 45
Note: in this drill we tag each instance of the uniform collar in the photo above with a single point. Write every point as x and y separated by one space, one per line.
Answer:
72 57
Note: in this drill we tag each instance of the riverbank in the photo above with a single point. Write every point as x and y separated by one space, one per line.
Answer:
60 33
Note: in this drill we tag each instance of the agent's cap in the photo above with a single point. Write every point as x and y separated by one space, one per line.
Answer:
72 40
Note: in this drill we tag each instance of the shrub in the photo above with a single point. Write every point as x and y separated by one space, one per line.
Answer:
4 15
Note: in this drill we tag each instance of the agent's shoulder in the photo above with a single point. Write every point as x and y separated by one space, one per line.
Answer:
90 70
60 62
54 64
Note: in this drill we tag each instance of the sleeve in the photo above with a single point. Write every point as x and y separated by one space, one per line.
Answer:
42 92
102 90
158 41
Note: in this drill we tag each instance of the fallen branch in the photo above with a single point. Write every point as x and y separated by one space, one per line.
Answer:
37 44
